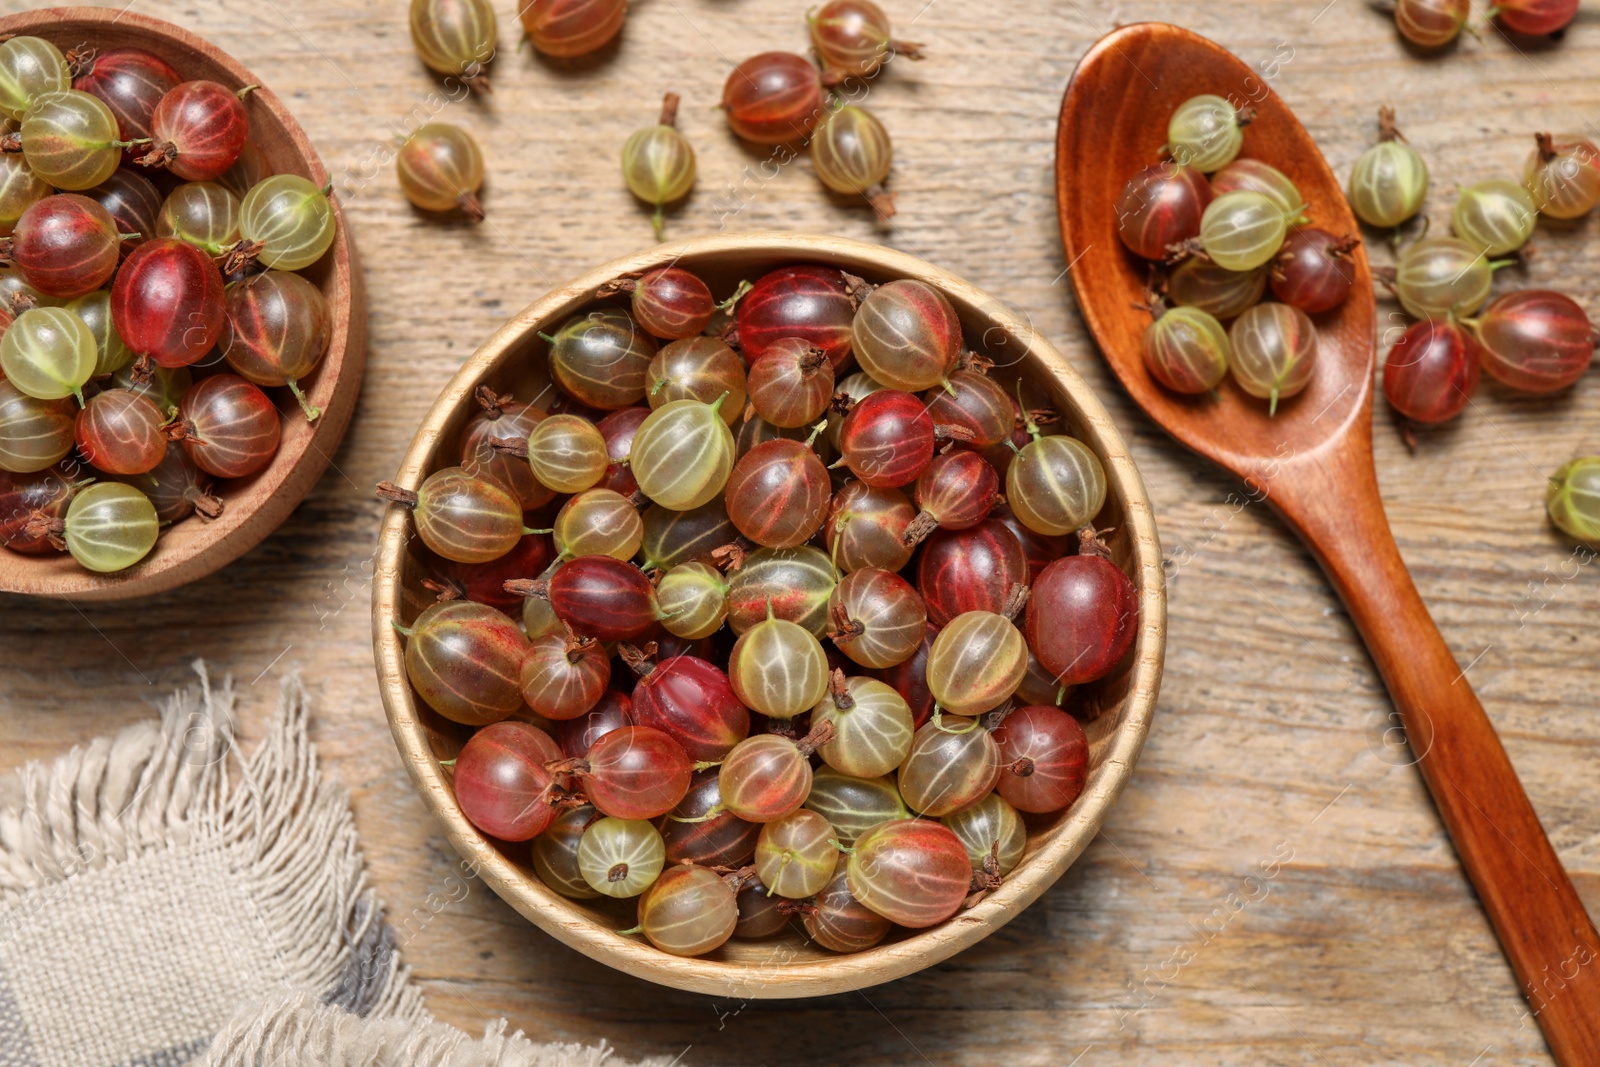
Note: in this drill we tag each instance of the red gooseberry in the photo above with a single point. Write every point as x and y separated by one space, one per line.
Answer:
168 303
1044 758
914 872
810 304
502 782
464 660
65 245
228 426
887 439
1082 616
970 570
564 675
690 700
773 98
121 432
199 129
612 711
634 772
131 82
1431 371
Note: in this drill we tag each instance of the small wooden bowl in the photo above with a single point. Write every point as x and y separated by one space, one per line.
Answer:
513 360
254 506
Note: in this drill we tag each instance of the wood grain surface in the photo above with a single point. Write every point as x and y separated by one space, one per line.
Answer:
1273 887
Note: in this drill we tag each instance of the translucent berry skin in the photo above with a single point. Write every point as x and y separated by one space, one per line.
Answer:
1495 216
484 583
133 202
1562 175
658 166
562 679
617 429
906 335
290 218
69 139
976 403
878 618
612 711
851 37
501 782
1432 23
120 432
440 168
854 805
635 772
168 302
131 82
764 778
811 304
1572 497
969 570
975 663
1388 184
1204 133
841 923
1186 350
65 245
951 764
465 518
773 98
603 598
48 353
990 822
20 188
1243 230
1535 17
201 128
1056 484
790 386
566 452
203 213
794 582
1082 618
672 303
110 527
46 491
30 67
872 728
599 358
1440 276
682 454
697 368
887 439
567 28
1204 286
555 853
1431 371
778 494
795 856
620 857
1310 272
277 328
778 668
688 911
598 522
454 36
957 490
1535 340
1253 175
913 872
1161 206
34 434
464 660
1044 759
699 831
232 428
1274 353
675 537
692 701
866 527
910 679
851 152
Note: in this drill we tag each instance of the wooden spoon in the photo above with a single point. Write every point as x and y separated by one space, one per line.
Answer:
1313 464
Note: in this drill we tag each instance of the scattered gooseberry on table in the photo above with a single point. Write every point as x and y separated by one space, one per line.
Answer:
1390 179
773 98
1274 349
440 168
204 214
1572 498
1432 371
455 37
1436 277
1563 175
851 153
1535 17
658 163
567 28
852 39
1431 23
1497 216
1535 340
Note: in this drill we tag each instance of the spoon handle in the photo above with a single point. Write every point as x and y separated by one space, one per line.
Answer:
1532 905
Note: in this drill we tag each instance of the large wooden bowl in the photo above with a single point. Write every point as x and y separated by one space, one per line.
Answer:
514 360
254 506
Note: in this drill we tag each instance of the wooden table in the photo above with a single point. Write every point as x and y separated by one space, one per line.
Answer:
1274 887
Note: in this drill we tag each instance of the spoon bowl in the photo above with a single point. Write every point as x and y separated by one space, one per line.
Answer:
1312 463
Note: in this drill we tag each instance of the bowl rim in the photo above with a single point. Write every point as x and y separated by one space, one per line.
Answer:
277 490
845 972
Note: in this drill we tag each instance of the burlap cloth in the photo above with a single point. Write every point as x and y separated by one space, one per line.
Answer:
166 900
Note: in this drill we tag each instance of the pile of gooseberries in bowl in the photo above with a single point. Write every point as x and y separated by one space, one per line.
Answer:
181 330
768 615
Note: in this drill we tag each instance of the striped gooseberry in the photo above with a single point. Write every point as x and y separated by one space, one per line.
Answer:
1044 759
69 139
674 537
778 492
1572 497
954 492
460 516
976 403
683 453
107 527
567 28
48 353
276 331
788 583
617 429
913 872
791 384
121 432
690 700
455 37
851 154
1274 356
693 598
1056 483
598 596
699 830
1186 350
1206 132
688 911
1314 271
697 368
30 68
47 492
871 726
285 222
1082 616
811 304
612 711
866 527
502 783
990 830
198 130
906 335
168 303
1203 285
566 452
204 214
1431 371
977 660
669 302
634 772
1431 23
854 805
1535 340
877 617
839 922
555 853
767 776
1389 180
970 570
620 857
778 668
1496 216
1242 230
1563 175
229 427
1161 206
598 522
658 163
852 39
773 98
34 434
887 439
464 660
66 245
1255 175
952 762
795 854
440 168
1436 277
111 354
129 81
563 675
910 679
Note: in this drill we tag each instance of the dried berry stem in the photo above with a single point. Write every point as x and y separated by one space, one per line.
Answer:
510 446
639 660
385 491
819 736
669 110
1016 600
528 587
1387 130
470 205
920 528
839 690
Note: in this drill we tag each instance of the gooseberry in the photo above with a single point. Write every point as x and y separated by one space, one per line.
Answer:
1257 176
612 711
1431 371
658 163
455 37
1206 132
1389 180
48 353
501 781
955 492
440 168
567 28
778 668
1440 276
906 335
877 618
598 522
682 454
635 772
69 139
991 831
675 537
168 304
952 762
854 805
1314 271
1243 230
1044 758
464 660
851 37
47 493
871 726
788 583
1274 354
866 527
34 434
852 154
276 331
970 570
810 304
285 221
691 701
791 384
1204 286
1082 617
564 675
773 98
1572 498
30 68
1186 350
198 130
107 527
601 597
795 855
20 189
700 831
1535 17
1496 216
887 439
460 516
1431 23
133 203
767 776
204 214
65 245
913 872
555 853
1535 340
1161 206
620 857
566 452
1057 484
617 429
839 922
131 82
503 417
697 368
778 493
121 432
977 661
688 911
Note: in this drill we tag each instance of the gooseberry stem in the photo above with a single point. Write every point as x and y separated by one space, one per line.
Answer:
313 413
406 498
733 301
